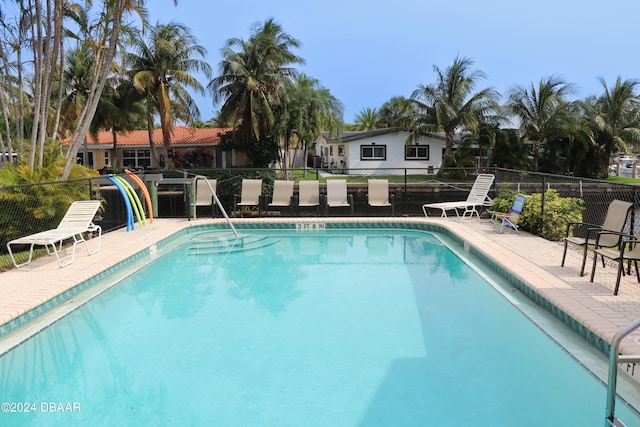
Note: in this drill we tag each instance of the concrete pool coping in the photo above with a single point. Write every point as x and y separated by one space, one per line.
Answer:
524 257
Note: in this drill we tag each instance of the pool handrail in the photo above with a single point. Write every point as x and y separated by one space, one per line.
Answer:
614 359
217 200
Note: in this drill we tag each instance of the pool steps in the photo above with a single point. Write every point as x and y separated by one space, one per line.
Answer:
214 245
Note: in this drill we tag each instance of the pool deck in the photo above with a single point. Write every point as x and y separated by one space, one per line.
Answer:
532 259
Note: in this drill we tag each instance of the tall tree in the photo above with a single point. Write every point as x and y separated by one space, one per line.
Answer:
45 17
105 36
162 68
452 104
75 87
396 113
543 111
367 119
13 40
253 72
618 113
307 110
121 109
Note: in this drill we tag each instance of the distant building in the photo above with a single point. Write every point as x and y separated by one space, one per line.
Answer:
134 151
360 152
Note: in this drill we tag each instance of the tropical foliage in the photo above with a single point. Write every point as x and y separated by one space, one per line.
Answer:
558 212
253 74
161 69
367 119
452 104
72 69
307 109
396 113
543 111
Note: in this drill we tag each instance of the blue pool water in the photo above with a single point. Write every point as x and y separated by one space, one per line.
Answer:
337 328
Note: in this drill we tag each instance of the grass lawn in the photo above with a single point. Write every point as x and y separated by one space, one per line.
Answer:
624 180
298 175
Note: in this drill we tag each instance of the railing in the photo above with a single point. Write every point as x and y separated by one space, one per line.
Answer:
217 201
614 360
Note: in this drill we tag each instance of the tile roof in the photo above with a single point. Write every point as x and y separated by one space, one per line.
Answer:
182 135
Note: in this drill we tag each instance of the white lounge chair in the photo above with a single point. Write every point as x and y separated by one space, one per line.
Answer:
478 196
308 195
204 196
282 194
76 222
337 194
378 194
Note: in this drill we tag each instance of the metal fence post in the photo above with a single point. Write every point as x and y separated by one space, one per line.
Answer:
405 193
542 207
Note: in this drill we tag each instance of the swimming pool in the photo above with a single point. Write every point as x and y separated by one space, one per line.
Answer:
354 328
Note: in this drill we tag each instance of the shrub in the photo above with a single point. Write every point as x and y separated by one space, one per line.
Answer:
200 157
558 212
503 201
28 209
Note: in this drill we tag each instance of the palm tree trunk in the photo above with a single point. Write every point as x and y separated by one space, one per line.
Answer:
104 59
36 40
165 125
20 115
85 153
304 144
114 162
60 90
6 150
152 144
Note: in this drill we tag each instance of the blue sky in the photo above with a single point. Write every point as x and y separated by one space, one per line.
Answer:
365 53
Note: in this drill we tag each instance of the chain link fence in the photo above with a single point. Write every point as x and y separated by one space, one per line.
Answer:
27 209
595 194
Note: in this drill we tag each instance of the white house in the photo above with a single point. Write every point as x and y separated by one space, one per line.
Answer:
370 152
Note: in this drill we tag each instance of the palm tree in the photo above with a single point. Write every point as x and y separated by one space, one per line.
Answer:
162 70
219 121
39 33
104 42
367 119
451 104
618 113
543 112
121 109
307 110
12 96
252 75
396 113
509 151
75 87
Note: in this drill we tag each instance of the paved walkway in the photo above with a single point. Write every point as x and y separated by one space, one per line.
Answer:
535 260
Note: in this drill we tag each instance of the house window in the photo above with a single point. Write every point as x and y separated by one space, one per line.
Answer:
107 158
331 150
373 152
416 152
136 158
341 150
80 159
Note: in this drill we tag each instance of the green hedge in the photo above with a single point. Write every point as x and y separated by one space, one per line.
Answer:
558 212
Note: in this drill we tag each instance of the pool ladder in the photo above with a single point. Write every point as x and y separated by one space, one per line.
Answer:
215 197
614 360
